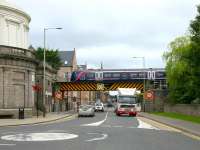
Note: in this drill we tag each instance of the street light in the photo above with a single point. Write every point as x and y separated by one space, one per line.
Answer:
143 62
44 65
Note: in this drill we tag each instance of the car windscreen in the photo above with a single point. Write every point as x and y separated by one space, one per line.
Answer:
85 106
127 106
127 99
98 104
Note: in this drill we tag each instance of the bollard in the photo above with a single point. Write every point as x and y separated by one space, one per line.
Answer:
21 113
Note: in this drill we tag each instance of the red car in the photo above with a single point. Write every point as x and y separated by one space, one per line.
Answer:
128 109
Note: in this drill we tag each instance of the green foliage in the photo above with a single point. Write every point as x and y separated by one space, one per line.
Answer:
195 53
52 57
183 66
178 70
140 98
194 119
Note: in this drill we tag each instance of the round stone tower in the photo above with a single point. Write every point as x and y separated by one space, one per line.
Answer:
17 62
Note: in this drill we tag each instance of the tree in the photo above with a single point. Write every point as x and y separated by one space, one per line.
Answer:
178 70
195 53
52 57
183 65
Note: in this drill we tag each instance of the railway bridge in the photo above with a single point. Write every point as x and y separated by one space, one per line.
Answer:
111 79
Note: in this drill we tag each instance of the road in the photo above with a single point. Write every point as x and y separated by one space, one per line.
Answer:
103 132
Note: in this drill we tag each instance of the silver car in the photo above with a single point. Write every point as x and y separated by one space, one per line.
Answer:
86 110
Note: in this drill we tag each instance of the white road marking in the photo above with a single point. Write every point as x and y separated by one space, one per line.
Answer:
104 136
7 144
57 131
132 127
6 133
117 126
106 126
97 123
144 125
39 137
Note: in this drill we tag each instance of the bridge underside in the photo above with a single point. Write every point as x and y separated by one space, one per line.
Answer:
94 86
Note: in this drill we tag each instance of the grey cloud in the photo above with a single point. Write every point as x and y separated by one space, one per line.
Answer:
96 26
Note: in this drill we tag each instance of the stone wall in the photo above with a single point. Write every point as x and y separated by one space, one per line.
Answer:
17 75
188 109
14 113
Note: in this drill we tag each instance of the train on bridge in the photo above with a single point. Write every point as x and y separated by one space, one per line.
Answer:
106 75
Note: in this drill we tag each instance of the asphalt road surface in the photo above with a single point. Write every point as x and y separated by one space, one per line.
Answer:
105 131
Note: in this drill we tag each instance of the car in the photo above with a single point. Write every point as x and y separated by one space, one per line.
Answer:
109 104
126 109
86 110
99 107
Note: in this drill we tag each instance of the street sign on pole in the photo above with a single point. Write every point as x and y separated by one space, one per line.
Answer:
149 95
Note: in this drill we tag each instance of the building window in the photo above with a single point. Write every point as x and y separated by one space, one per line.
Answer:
66 62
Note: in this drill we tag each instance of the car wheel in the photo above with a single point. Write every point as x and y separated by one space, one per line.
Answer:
117 114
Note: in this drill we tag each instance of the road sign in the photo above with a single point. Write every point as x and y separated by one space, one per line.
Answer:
58 95
100 87
149 95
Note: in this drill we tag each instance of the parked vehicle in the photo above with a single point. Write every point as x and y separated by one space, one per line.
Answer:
99 107
86 110
109 103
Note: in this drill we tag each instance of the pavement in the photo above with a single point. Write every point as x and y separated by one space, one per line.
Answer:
104 131
36 120
184 126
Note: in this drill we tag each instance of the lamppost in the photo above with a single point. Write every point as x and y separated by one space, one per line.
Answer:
143 63
44 66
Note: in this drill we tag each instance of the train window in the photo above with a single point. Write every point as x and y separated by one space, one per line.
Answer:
134 75
116 75
90 75
124 75
153 75
107 75
160 74
101 75
141 75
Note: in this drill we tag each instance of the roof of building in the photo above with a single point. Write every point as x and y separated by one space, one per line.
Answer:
66 58
11 6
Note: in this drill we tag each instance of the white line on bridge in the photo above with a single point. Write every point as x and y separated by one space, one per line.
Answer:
97 123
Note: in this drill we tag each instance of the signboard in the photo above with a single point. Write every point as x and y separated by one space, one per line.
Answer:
58 95
36 87
65 94
149 95
100 87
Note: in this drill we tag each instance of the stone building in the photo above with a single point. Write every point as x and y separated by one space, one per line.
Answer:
17 62
50 76
69 62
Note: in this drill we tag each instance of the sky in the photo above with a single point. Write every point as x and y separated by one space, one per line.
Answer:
110 31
